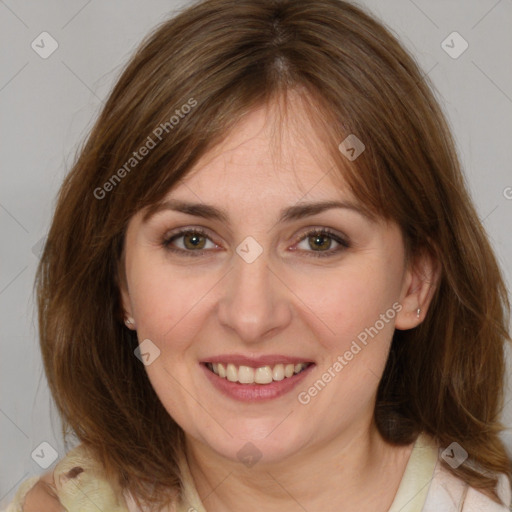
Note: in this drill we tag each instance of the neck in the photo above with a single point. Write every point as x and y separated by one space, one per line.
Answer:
364 475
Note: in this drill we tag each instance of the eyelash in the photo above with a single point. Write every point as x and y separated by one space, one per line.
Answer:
344 244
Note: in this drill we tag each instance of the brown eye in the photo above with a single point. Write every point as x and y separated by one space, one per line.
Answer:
320 242
189 242
194 241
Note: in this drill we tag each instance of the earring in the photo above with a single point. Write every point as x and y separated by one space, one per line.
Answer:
418 311
129 321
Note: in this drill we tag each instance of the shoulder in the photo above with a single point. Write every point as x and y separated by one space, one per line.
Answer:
476 501
450 493
79 484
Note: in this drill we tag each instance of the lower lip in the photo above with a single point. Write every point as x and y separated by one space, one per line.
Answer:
256 392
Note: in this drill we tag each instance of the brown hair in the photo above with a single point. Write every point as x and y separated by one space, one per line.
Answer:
444 377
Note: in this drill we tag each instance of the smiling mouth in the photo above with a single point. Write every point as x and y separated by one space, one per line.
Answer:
261 375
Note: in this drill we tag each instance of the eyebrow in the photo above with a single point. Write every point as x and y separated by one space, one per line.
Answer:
291 213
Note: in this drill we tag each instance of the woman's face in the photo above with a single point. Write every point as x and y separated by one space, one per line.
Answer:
258 288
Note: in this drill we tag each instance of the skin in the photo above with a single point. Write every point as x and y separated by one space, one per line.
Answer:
43 496
285 302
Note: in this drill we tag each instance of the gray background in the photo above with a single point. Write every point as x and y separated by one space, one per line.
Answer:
48 106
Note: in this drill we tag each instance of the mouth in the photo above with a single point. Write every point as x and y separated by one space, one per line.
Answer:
262 375
256 381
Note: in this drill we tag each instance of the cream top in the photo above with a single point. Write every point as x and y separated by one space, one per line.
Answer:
426 486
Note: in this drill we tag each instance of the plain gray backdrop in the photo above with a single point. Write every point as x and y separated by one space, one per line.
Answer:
49 104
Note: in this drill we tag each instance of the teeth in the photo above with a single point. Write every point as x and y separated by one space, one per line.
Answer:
231 372
262 375
278 372
245 375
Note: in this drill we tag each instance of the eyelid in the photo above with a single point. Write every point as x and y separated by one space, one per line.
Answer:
311 230
187 229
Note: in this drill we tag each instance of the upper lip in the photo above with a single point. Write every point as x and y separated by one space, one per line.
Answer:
256 362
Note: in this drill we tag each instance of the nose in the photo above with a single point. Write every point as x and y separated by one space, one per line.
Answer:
254 302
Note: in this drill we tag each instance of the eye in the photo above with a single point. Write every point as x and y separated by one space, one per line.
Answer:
190 242
320 242
194 242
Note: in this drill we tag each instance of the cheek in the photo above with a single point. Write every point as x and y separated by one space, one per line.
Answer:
357 307
168 303
350 300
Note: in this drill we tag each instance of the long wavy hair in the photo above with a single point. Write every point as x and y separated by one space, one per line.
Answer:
224 58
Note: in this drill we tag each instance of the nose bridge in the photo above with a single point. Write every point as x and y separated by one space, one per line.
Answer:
253 301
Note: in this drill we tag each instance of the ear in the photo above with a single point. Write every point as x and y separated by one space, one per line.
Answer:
126 304
420 283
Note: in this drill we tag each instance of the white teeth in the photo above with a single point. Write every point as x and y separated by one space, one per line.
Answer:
245 375
262 375
232 373
278 372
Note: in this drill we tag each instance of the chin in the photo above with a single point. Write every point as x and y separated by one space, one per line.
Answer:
256 442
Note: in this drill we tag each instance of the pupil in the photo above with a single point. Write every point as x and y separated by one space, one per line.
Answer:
193 241
317 239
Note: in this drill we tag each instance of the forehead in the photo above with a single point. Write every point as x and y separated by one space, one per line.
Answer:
267 154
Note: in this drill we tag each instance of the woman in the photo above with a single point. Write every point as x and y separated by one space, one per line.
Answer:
265 285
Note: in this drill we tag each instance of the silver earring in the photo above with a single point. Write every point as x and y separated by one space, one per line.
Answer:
129 321
418 311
